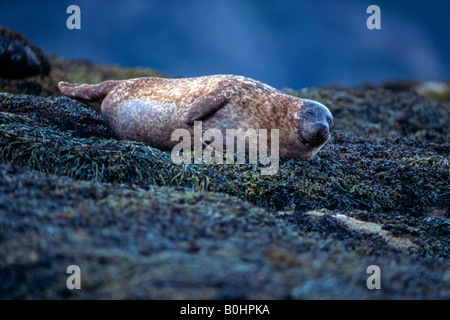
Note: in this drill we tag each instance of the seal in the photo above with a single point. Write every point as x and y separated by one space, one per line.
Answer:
150 109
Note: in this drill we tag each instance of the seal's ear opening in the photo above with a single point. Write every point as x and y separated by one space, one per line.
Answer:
91 95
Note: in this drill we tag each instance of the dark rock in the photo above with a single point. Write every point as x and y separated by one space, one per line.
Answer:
19 58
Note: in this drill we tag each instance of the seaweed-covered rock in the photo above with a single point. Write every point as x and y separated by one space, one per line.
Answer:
140 226
380 175
174 243
19 58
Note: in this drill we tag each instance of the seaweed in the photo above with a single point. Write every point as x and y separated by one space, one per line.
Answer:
155 242
372 174
141 226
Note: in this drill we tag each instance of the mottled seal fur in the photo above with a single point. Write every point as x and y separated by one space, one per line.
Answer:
150 109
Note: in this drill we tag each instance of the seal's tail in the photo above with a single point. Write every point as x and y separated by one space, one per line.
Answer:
91 95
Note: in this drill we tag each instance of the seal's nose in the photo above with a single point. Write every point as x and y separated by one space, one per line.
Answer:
322 132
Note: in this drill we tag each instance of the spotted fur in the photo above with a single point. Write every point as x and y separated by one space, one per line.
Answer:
150 109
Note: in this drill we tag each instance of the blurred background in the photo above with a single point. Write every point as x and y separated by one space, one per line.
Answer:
284 43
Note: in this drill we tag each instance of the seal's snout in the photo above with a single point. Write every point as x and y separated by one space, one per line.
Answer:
321 133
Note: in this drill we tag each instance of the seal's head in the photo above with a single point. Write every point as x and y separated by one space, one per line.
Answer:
315 124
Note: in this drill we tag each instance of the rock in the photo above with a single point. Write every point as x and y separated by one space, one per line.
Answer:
151 242
19 58
142 227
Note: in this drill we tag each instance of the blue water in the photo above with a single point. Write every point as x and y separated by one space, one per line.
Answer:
283 43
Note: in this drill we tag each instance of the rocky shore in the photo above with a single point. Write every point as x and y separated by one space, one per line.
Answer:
141 227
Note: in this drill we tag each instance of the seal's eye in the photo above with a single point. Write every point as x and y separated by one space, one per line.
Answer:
330 123
309 112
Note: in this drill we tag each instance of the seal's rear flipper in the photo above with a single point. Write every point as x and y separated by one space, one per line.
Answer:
91 95
207 105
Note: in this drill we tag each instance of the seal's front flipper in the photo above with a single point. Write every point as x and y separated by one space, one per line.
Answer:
206 105
91 95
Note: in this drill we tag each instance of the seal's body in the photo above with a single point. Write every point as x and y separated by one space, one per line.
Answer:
150 109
